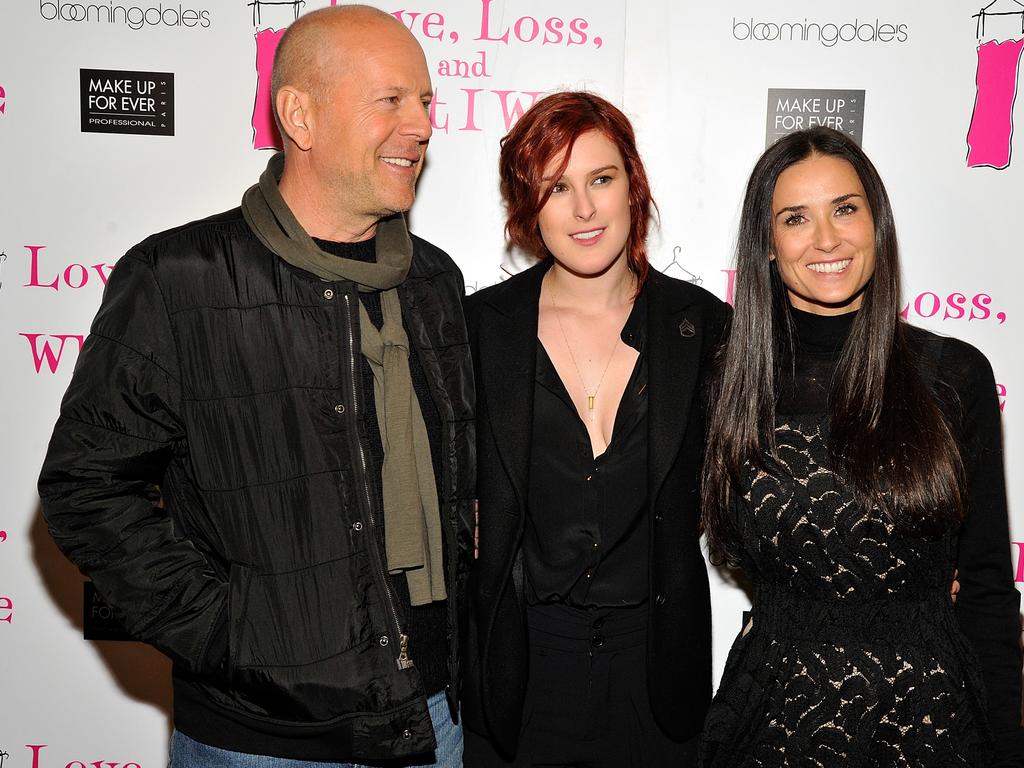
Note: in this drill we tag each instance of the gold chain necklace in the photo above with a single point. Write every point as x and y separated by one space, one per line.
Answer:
590 395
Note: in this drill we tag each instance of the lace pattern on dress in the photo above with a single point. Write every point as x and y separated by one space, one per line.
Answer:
854 657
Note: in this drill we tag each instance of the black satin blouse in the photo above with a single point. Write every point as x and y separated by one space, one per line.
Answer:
585 543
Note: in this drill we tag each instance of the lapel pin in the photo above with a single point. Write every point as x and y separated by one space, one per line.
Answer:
687 329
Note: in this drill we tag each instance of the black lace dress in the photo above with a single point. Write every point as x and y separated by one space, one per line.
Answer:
855 655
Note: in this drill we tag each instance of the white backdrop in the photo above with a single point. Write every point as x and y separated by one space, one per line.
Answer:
694 77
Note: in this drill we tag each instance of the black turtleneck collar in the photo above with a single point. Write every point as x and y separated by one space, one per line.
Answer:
364 250
820 335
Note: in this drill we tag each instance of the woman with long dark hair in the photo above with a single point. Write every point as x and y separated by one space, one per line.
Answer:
591 603
853 463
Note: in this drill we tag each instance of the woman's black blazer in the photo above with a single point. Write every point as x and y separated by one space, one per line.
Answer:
684 323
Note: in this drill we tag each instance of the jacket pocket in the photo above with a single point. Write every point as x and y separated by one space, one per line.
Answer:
301 642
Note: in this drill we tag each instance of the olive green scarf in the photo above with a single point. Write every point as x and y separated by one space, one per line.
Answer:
412 520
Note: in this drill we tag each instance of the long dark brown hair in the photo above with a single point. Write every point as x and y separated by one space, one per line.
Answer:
889 440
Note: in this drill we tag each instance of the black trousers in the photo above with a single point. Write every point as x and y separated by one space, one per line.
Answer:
586 698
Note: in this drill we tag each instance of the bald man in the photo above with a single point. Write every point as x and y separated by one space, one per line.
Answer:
264 460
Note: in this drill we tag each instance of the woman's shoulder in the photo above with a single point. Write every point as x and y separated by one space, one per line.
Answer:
680 294
509 289
684 289
958 363
953 352
681 287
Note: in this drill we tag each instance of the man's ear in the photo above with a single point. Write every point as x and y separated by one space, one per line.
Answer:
293 111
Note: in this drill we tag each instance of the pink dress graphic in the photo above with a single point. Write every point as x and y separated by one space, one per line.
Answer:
264 130
991 129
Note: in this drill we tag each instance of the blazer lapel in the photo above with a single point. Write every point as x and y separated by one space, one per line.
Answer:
675 337
508 363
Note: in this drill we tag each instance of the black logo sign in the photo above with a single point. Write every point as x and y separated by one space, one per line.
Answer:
794 109
99 620
127 102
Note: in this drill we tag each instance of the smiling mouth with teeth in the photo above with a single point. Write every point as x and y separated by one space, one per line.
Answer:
587 235
401 162
830 266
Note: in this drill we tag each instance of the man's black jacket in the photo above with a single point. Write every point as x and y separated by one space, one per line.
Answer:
206 473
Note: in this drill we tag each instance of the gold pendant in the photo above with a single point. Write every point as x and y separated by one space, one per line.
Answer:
590 402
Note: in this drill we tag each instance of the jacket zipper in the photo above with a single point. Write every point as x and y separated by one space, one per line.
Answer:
403 660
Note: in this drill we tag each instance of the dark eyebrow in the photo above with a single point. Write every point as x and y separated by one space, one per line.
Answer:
801 208
791 209
594 172
844 198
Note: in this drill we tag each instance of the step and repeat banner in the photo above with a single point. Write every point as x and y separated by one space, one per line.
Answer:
120 118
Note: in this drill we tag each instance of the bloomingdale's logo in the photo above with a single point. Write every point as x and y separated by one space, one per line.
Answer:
134 16
827 34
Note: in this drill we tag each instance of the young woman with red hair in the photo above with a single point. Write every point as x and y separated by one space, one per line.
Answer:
591 635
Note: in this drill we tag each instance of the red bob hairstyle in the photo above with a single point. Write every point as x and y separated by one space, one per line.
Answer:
549 128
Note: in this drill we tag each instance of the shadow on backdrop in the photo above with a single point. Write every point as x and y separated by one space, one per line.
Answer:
140 671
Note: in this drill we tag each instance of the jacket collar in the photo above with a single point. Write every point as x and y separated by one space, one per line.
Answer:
508 367
508 356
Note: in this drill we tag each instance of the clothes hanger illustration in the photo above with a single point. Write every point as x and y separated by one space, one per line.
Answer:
985 12
257 6
687 275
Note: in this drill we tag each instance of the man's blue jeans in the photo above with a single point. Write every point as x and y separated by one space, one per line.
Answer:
188 753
